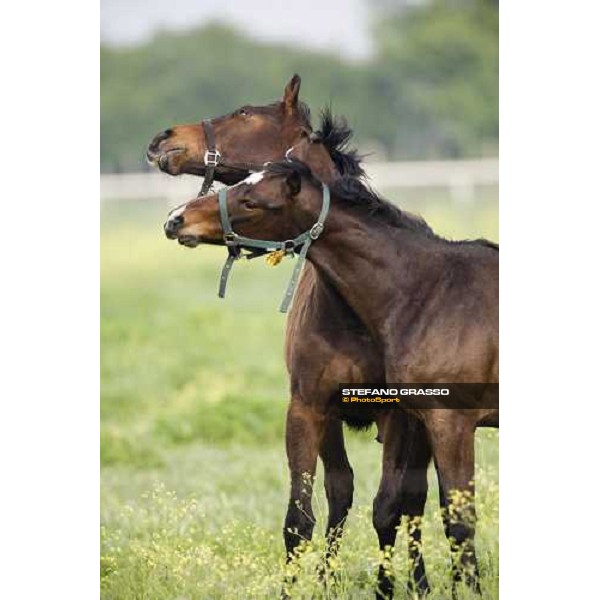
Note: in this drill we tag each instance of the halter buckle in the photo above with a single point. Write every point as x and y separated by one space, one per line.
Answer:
212 158
315 231
230 238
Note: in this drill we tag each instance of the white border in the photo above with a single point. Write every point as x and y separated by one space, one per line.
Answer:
49 430
549 198
549 299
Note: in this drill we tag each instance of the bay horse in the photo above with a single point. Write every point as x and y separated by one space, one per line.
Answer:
431 305
325 343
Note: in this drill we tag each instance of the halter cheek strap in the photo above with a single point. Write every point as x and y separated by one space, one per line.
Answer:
235 242
213 158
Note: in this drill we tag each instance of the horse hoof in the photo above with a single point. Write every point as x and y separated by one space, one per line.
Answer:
421 588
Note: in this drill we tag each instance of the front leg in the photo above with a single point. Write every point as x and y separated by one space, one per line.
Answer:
339 483
304 432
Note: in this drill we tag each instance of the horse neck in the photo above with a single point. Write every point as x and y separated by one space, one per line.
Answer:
368 262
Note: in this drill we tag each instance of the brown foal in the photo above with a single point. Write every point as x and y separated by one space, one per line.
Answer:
430 307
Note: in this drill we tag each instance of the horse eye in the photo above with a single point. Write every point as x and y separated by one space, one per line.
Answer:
247 203
243 112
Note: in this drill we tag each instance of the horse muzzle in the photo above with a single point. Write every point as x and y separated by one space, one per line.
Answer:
173 225
168 161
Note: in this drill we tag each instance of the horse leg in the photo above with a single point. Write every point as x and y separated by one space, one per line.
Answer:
453 443
456 572
414 496
339 483
304 432
398 433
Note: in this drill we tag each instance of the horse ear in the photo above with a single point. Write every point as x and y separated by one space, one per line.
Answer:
294 183
290 94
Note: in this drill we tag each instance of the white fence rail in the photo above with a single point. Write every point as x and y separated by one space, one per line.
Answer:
460 177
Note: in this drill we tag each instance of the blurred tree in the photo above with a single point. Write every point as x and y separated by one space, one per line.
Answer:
182 78
430 91
441 62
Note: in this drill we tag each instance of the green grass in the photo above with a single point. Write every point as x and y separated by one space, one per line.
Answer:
194 391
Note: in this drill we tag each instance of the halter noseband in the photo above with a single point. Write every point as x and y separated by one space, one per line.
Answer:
213 158
234 243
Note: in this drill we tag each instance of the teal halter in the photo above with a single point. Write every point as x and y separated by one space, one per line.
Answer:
235 242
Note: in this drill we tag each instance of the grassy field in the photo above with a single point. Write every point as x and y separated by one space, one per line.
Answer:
194 477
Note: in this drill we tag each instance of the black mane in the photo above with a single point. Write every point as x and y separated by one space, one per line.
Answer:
291 166
486 243
356 193
335 135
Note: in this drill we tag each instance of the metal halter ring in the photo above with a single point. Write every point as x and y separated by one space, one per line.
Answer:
316 230
212 158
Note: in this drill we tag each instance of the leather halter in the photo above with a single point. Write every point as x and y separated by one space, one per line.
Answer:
213 158
235 242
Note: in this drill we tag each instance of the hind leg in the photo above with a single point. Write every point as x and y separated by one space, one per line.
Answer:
339 483
454 453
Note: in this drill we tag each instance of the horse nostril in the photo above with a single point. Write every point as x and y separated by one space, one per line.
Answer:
172 225
161 137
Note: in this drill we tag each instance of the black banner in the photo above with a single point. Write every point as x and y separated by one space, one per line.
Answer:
418 395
